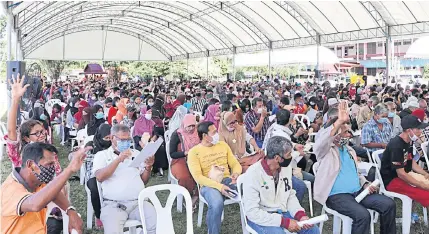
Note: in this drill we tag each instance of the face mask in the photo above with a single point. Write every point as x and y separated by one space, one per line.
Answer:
99 115
247 109
93 98
123 145
76 93
343 141
46 174
246 97
260 110
43 117
391 115
148 116
209 96
150 104
383 120
215 139
230 129
285 162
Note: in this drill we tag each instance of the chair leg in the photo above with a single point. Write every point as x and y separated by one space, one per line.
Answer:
337 225
179 203
347 226
310 200
221 218
200 213
406 216
242 217
133 230
89 214
372 221
321 224
425 216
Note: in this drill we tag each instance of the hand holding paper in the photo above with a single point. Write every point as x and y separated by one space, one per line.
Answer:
315 220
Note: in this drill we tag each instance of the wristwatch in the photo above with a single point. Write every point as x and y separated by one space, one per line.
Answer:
70 208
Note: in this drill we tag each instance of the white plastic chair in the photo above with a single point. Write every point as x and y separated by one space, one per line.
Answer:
50 105
424 147
300 118
227 201
87 139
170 176
130 223
89 209
310 195
339 218
163 214
407 202
51 205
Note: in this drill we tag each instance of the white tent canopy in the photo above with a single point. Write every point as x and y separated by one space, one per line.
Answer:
181 30
301 55
419 49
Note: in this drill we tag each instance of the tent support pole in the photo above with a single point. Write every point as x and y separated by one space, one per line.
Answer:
270 47
317 72
187 66
9 33
207 64
234 51
387 47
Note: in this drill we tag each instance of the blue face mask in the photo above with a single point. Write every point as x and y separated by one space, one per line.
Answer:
99 115
391 115
123 145
43 117
383 120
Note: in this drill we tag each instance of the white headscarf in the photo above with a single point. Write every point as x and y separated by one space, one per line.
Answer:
176 120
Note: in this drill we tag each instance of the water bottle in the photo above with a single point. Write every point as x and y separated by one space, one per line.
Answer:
414 218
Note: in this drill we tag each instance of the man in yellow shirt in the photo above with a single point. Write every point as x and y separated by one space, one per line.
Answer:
201 159
27 191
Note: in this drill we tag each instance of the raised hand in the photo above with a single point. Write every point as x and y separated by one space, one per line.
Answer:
78 159
18 87
343 112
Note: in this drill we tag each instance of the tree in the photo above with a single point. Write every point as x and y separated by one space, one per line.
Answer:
53 68
3 44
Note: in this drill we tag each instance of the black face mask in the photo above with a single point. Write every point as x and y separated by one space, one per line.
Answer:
285 162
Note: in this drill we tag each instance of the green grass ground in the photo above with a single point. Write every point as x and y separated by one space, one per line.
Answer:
230 225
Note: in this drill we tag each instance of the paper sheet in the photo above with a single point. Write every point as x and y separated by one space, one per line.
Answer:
271 118
149 150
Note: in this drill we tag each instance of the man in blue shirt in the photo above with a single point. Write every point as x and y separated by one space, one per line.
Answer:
337 181
378 131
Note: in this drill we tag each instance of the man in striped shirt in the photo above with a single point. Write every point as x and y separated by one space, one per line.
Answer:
198 102
257 122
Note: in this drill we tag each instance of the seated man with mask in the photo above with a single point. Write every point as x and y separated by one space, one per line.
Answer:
269 198
209 163
121 184
27 191
337 180
376 133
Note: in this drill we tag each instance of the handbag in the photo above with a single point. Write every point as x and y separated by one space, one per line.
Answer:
216 173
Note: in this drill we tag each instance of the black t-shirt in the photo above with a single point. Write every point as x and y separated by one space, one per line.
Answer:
398 154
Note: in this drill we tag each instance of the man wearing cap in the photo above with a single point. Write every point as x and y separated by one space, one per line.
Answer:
366 112
332 103
397 164
411 105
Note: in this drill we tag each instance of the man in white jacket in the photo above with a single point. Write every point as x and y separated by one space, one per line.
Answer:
269 201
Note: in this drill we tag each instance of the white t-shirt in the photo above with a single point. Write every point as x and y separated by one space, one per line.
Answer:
125 183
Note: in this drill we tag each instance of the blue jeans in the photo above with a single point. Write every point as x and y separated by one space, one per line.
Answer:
279 230
259 143
300 188
215 203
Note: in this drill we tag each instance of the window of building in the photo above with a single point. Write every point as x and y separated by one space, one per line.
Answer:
380 44
407 42
397 43
371 71
371 48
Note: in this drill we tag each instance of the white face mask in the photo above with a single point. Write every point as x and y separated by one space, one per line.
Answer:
215 139
150 103
260 110
414 137
148 116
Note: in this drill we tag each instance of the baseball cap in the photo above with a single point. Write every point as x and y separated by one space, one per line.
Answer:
413 103
411 121
332 101
419 113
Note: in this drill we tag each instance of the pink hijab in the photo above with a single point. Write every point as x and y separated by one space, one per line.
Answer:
211 113
142 125
189 140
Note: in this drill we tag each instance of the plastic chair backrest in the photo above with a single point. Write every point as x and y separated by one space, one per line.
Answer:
50 105
376 158
87 139
100 192
167 144
240 181
424 147
163 214
3 131
300 118
81 135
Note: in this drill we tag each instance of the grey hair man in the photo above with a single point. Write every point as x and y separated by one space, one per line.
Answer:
366 112
378 131
394 119
269 200
121 183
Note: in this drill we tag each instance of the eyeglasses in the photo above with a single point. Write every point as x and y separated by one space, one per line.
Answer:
38 133
233 122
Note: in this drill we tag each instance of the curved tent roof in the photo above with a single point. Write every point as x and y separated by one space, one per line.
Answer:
174 30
